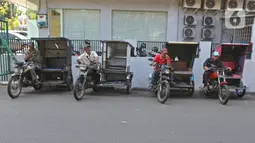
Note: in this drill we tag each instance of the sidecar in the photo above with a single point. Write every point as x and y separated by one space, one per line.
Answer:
233 55
56 57
115 70
183 55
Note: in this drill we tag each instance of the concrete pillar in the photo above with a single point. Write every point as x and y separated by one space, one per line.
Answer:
198 71
172 21
106 27
43 9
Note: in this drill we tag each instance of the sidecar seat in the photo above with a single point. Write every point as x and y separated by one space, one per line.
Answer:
233 66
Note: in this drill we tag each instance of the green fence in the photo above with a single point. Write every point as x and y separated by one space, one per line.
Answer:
5 68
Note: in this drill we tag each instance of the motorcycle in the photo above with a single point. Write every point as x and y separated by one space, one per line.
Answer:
21 78
162 80
86 79
217 82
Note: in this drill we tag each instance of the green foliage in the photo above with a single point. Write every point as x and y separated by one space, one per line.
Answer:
31 14
10 13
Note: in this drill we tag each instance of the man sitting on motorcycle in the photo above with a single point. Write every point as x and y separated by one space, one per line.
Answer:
89 58
33 57
213 62
161 59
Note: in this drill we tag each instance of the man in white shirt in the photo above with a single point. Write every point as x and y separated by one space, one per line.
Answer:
88 56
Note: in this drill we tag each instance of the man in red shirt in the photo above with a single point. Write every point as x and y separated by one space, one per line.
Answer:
161 59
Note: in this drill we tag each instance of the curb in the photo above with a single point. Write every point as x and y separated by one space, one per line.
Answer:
4 83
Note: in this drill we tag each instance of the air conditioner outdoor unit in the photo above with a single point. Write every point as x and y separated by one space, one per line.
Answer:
212 4
189 32
209 21
207 33
234 4
249 5
190 20
192 3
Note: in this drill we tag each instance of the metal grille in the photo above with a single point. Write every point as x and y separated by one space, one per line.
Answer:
238 35
151 44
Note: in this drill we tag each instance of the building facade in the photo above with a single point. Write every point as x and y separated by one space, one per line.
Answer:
143 20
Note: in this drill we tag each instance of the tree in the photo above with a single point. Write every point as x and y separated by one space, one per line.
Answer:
9 13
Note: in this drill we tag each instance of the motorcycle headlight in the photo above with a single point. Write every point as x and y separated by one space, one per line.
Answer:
16 70
167 71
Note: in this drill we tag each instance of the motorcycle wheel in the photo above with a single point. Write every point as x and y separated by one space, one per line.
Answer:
10 87
78 93
163 91
223 94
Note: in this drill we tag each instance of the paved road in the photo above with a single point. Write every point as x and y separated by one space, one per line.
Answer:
55 117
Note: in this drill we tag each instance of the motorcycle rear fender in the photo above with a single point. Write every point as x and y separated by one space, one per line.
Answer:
223 83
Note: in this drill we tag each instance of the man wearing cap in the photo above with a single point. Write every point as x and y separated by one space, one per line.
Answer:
213 62
89 57
33 56
161 59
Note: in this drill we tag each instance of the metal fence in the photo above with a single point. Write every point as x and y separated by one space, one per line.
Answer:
20 46
149 45
4 54
78 45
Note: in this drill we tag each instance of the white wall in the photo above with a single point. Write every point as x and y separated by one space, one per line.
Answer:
175 14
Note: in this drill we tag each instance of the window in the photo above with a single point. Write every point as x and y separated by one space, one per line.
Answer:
81 24
139 25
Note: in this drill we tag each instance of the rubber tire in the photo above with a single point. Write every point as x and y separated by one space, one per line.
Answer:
69 83
37 87
223 102
9 89
128 89
74 91
167 93
243 92
191 90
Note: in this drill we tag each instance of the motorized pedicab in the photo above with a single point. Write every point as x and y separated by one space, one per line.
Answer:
56 63
183 56
232 55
